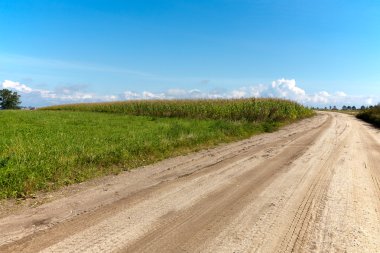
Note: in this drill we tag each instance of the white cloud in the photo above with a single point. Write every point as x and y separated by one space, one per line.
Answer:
286 88
322 97
177 92
151 95
239 93
369 101
130 95
39 97
281 88
7 84
170 94
341 94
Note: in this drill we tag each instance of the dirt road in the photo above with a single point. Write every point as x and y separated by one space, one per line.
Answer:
313 186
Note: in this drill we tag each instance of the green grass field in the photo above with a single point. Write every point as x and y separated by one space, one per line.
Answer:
44 150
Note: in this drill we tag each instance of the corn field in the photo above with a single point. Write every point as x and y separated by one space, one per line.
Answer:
251 110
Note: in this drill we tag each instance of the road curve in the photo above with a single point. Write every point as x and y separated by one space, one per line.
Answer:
313 186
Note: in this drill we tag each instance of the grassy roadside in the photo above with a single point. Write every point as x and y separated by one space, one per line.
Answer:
43 150
371 116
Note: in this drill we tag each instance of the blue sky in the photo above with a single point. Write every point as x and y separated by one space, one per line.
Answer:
322 52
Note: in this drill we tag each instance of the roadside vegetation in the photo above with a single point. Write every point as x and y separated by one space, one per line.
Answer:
47 149
371 115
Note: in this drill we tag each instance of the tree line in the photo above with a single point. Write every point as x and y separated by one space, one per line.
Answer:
344 108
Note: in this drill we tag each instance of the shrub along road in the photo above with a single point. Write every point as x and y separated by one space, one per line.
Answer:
311 187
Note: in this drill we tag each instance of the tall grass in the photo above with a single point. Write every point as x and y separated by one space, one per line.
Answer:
251 110
371 115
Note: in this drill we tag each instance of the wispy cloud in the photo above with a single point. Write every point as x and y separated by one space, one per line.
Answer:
70 65
28 62
281 88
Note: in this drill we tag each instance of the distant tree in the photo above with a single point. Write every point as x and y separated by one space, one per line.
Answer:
344 108
9 99
334 108
362 107
354 108
349 107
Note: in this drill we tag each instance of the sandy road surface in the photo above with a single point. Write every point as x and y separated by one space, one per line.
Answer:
313 186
